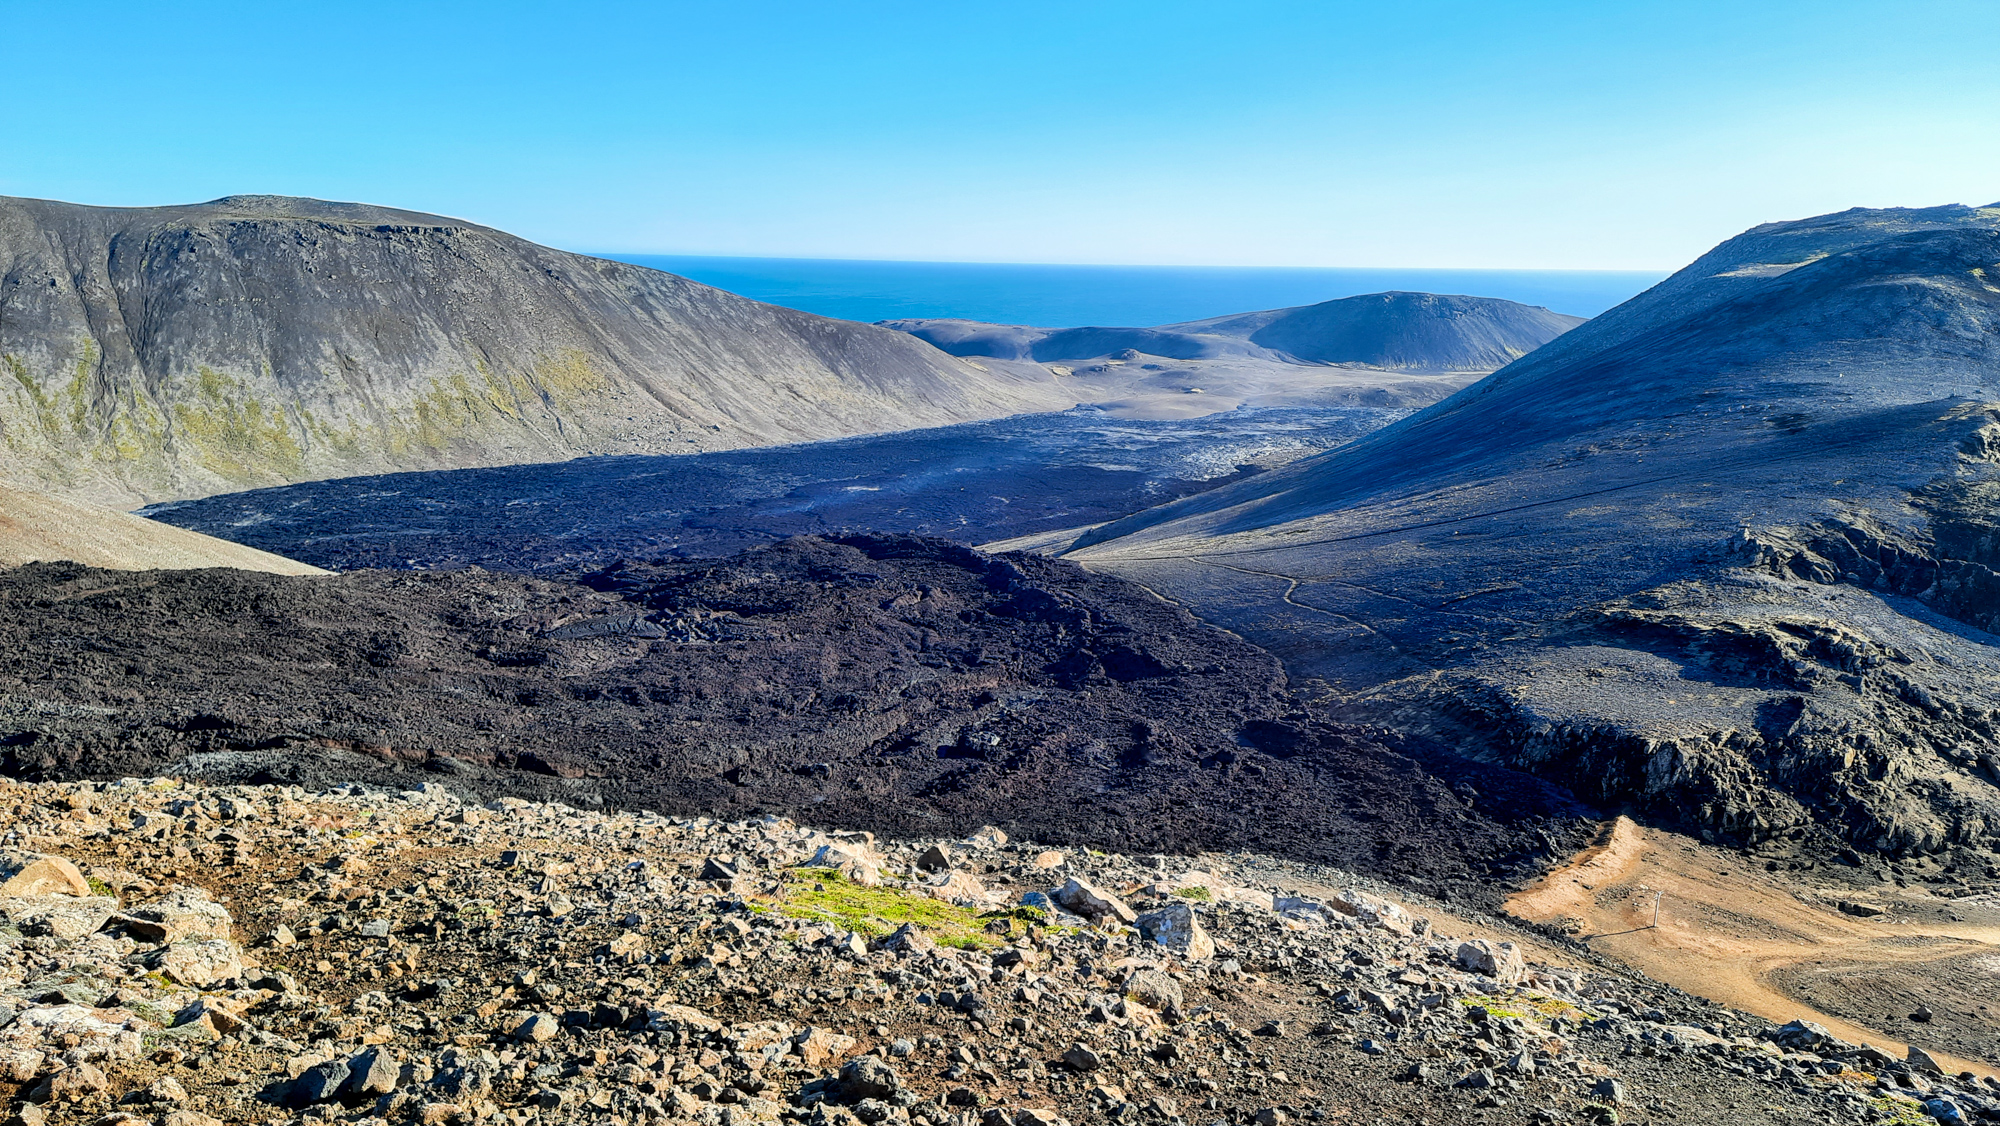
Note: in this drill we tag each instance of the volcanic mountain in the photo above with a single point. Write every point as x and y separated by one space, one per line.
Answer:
163 352
1727 554
1419 332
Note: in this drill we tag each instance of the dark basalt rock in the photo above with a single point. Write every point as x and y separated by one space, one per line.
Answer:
897 684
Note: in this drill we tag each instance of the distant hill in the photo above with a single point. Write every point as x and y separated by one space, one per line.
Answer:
1419 332
1729 553
164 352
37 528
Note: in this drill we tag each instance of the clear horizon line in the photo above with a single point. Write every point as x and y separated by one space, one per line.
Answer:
613 255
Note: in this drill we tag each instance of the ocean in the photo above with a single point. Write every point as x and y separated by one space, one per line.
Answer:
1065 296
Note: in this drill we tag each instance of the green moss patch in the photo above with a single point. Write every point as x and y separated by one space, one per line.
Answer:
1526 1005
1896 1110
825 895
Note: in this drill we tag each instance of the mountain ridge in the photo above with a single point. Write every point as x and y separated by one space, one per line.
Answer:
160 353
1724 555
1393 331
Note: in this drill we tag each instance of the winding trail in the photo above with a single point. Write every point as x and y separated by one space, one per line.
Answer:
1725 928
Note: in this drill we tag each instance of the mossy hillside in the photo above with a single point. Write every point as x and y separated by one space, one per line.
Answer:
64 429
234 434
60 425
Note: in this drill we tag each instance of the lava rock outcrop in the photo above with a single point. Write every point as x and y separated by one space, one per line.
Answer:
889 683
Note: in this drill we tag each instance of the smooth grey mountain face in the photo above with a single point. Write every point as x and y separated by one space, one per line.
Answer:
1728 553
155 353
1426 332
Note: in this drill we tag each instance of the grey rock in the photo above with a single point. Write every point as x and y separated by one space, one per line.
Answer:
200 963
1177 928
867 1078
537 1028
1799 1035
372 1073
1501 961
1045 903
908 937
1088 901
179 915
66 917
317 1083
1154 989
1081 1058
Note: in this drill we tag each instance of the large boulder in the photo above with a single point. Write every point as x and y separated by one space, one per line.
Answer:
815 1047
907 937
201 963
961 888
855 863
182 914
76 1032
1176 928
1096 905
1154 989
1799 1036
63 916
1501 961
866 1078
27 874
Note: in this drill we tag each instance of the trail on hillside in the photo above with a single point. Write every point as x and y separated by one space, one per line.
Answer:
1778 945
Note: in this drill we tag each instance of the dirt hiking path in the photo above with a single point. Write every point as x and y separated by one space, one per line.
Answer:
1726 927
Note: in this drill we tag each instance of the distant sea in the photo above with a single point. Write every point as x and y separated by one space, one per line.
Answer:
1064 296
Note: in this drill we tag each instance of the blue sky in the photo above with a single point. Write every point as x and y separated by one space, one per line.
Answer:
1409 133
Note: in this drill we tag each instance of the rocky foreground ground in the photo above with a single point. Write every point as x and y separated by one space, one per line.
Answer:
181 954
